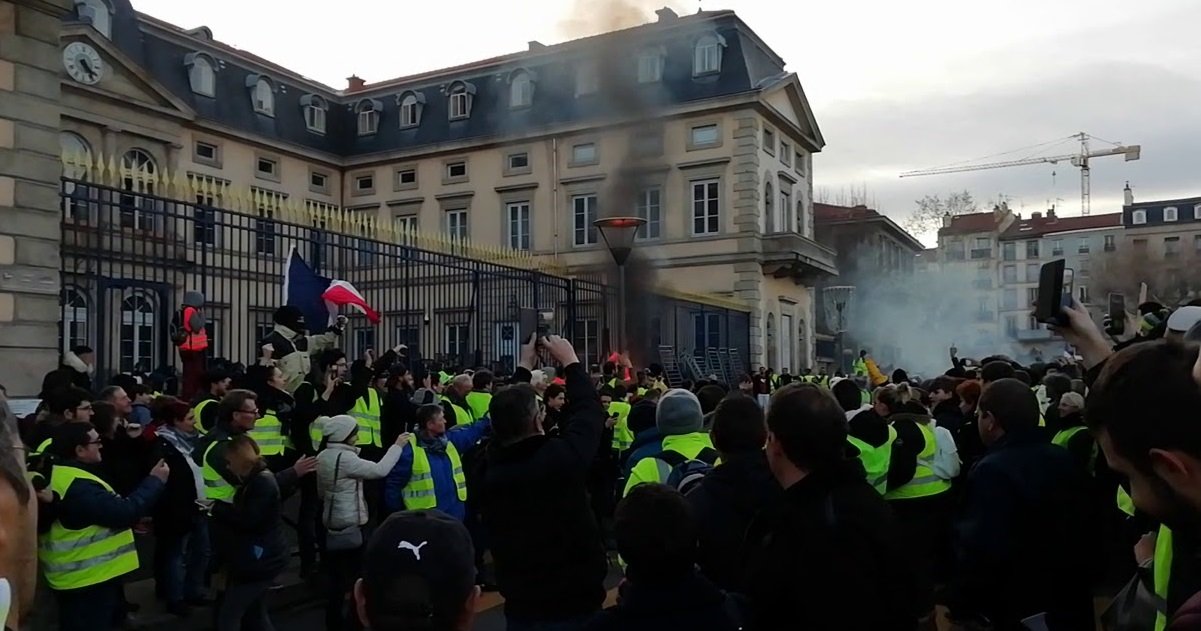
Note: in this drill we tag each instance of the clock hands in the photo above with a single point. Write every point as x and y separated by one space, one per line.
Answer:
87 67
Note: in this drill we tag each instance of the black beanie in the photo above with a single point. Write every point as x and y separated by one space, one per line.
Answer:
290 316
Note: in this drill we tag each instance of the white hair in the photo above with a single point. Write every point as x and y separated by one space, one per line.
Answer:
537 378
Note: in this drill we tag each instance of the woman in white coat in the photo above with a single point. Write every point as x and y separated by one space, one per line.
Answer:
340 475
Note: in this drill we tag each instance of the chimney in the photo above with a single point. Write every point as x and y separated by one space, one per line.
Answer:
354 83
666 14
1129 195
536 45
1051 213
946 220
1036 215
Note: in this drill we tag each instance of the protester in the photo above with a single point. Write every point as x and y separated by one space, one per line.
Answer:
429 474
191 338
181 535
831 523
292 347
216 383
18 522
550 560
680 420
657 538
418 575
480 395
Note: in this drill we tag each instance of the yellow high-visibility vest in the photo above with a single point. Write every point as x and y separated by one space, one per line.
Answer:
419 493
73 559
366 411
924 483
462 416
622 436
196 414
876 459
478 402
268 433
216 488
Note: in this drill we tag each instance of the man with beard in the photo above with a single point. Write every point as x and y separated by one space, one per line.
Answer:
1142 411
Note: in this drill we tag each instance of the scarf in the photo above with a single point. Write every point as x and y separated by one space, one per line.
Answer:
182 442
435 445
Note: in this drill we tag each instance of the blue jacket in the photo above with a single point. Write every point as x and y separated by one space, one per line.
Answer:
463 437
647 443
89 504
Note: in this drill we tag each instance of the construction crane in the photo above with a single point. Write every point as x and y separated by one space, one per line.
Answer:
1079 160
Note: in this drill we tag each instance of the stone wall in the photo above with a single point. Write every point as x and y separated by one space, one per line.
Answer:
29 208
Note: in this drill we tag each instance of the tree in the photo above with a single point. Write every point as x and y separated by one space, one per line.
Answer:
927 217
1171 280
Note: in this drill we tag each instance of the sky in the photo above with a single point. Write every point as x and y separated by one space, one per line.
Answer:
895 86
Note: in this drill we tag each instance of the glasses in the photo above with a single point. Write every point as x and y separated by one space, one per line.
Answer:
84 408
94 442
254 411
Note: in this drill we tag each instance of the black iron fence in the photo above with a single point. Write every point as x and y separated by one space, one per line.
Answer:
129 255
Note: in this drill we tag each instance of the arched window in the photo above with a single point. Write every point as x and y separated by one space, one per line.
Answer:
769 208
99 13
77 157
521 89
411 104
137 333
368 111
201 74
263 96
706 58
138 173
461 95
74 331
315 109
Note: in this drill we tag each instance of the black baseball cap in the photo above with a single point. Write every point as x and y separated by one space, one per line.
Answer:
418 570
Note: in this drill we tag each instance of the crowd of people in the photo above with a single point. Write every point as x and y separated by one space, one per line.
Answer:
993 496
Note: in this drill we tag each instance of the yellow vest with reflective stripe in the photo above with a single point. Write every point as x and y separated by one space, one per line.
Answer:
419 492
924 483
1161 572
462 416
366 412
876 459
478 402
196 413
73 559
315 434
216 488
622 436
268 433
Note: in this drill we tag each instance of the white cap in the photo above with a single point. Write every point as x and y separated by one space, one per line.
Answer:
1183 319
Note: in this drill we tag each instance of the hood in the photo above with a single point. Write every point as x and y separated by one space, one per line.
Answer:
286 332
71 360
193 299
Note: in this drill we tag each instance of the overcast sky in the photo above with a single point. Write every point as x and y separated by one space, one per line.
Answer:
895 85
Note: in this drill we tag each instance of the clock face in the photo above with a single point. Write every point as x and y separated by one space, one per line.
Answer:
83 63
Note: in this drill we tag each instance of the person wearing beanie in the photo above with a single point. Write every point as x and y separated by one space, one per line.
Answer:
340 476
680 421
292 348
418 574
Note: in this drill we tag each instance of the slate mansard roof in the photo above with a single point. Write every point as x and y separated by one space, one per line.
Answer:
163 50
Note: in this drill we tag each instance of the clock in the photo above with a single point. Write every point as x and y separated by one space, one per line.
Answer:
83 63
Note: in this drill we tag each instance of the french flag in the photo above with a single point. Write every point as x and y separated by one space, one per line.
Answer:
319 297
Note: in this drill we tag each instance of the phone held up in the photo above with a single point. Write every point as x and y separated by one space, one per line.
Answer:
1054 293
1116 322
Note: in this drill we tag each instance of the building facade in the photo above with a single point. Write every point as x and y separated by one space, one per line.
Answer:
1160 246
690 122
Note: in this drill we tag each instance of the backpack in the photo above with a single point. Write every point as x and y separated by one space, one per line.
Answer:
176 330
686 474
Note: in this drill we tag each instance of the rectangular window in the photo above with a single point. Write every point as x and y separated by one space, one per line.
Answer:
583 153
583 212
1084 246
706 57
1082 294
1110 243
364 184
1011 325
265 239
409 112
314 118
983 243
1009 251
456 224
1031 296
406 178
769 141
587 342
519 161
1032 270
1032 249
456 169
1009 273
267 166
409 335
705 135
1009 299
800 163
1138 217
706 330
519 225
365 252
405 224
786 209
460 105
364 339
1057 247
650 67
785 153
206 152
587 79
204 227
368 122
650 209
1171 247
706 207
457 344
318 181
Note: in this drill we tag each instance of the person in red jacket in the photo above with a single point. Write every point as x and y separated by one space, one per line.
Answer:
193 340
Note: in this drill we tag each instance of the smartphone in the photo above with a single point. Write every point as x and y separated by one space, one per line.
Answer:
1054 293
1117 314
534 321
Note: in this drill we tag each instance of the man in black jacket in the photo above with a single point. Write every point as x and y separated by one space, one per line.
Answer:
827 556
550 560
730 496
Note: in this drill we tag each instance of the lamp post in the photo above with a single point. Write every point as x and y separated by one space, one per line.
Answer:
619 233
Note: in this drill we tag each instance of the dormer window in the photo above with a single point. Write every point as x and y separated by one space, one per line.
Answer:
315 109
587 79
706 58
650 65
1138 217
202 74
461 96
521 89
262 94
411 104
1170 213
99 13
368 115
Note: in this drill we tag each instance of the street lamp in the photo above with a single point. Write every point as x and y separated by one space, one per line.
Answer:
619 233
